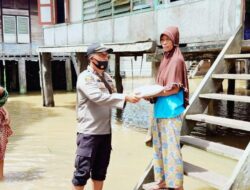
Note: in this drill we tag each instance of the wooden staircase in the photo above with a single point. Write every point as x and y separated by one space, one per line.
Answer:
192 70
208 91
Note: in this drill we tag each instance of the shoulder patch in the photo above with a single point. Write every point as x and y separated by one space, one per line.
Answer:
88 78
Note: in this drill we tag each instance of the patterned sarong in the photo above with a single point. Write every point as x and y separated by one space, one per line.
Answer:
168 164
5 131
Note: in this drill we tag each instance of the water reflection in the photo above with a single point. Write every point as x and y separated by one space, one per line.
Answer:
28 175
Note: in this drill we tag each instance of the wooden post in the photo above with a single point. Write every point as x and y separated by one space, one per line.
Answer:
14 79
118 78
247 69
68 75
231 83
118 82
80 62
73 58
22 76
46 79
210 128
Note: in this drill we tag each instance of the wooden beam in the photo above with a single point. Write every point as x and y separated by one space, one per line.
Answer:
147 177
225 122
220 149
232 76
226 97
237 56
132 47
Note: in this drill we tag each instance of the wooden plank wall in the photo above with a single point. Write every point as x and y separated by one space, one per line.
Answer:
36 28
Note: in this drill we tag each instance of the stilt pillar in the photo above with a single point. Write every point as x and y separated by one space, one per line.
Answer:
68 75
46 79
80 62
22 76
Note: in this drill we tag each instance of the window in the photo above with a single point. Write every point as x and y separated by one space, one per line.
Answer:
16 29
142 4
60 11
23 35
104 8
121 6
9 29
89 10
45 11
47 8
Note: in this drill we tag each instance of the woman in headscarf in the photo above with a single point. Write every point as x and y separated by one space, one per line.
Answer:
5 130
168 109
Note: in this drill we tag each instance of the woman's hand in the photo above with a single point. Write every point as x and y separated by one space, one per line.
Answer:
147 98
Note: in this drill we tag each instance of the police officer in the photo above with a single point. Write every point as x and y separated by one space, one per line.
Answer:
95 97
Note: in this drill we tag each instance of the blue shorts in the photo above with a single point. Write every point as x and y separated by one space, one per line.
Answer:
92 158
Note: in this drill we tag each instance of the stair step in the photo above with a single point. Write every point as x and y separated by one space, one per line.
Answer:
227 97
212 178
237 56
232 76
220 149
225 122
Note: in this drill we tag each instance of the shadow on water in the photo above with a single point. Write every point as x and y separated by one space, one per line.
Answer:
29 175
24 114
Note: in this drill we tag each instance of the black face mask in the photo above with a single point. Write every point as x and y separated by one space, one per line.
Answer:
102 65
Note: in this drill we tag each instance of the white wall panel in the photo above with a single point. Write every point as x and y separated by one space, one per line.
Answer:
75 34
61 37
49 36
90 32
104 31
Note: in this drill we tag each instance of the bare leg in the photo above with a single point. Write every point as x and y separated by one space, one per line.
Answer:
78 188
1 169
97 185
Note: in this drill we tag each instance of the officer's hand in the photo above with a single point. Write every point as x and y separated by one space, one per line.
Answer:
132 98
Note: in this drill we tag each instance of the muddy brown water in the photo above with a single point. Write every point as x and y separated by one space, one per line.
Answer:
41 152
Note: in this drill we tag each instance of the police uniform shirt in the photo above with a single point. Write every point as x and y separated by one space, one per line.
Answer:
94 103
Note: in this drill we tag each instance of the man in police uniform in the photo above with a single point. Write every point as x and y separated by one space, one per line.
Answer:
95 97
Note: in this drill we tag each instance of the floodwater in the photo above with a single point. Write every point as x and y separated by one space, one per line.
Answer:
41 152
236 110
